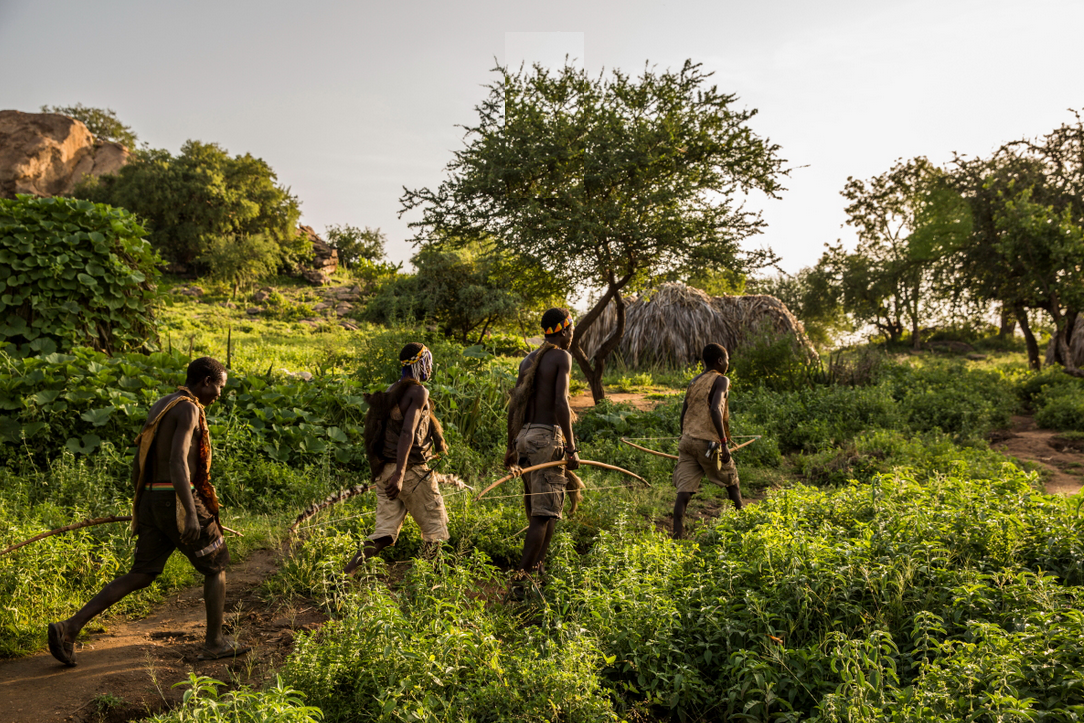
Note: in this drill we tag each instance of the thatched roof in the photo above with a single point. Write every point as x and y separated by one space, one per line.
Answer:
671 325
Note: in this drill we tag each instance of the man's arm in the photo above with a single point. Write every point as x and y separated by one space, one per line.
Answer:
716 400
185 417
561 410
415 397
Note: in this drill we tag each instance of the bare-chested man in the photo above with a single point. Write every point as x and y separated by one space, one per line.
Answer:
174 508
540 430
401 435
705 432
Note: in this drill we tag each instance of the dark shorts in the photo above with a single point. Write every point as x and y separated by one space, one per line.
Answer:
544 488
158 536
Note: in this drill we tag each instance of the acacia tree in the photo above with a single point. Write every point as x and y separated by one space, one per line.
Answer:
604 182
905 218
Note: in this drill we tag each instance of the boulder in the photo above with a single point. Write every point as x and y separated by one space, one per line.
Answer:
325 260
46 154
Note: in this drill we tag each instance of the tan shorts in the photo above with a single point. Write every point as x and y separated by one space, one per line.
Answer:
419 496
692 465
544 489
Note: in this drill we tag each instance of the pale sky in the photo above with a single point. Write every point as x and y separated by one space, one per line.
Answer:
349 102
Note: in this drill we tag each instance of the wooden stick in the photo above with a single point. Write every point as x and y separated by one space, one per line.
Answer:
314 508
652 451
89 523
69 528
558 463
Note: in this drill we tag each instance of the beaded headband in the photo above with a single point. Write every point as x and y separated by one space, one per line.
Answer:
417 358
559 327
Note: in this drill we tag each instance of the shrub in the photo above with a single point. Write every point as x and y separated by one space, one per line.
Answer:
1063 410
966 403
240 261
73 273
200 195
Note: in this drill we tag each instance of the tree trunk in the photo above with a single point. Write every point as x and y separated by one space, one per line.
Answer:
593 372
1062 354
1008 323
485 328
1034 362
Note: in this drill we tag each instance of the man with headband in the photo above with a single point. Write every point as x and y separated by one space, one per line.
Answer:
401 435
540 430
705 433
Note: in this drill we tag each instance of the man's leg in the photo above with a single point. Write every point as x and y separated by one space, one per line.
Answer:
368 550
734 493
115 591
539 533
214 600
680 503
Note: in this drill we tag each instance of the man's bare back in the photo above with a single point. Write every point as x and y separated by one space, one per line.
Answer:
550 386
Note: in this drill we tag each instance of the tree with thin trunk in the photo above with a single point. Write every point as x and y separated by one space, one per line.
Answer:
1027 247
605 182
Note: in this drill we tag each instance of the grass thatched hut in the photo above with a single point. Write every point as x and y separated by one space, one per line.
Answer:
671 325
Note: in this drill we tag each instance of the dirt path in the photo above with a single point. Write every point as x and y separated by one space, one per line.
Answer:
637 400
128 671
1027 442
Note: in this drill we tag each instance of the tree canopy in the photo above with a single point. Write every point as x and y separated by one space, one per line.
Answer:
356 244
604 182
1026 248
192 200
466 289
905 220
102 122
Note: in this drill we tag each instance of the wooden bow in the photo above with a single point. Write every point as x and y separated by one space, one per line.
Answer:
674 456
558 463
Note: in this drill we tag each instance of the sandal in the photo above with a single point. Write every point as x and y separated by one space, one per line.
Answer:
61 649
231 650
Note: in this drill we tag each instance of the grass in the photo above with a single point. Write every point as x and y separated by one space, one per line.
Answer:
895 568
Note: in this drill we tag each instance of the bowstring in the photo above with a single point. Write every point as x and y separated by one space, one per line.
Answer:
532 494
733 436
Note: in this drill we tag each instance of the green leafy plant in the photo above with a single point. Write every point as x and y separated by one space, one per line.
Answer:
73 273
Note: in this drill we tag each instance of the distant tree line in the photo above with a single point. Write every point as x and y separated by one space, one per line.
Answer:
949 244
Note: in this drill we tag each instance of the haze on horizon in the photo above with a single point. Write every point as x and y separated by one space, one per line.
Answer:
349 104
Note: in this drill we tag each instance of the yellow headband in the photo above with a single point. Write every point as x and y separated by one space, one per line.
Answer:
417 358
559 328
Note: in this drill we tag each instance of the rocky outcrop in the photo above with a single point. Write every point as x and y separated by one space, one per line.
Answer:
324 261
46 154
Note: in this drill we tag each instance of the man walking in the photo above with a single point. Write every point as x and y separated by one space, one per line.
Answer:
401 435
705 434
174 508
540 430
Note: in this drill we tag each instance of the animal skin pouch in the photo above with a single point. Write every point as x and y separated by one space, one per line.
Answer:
715 454
181 516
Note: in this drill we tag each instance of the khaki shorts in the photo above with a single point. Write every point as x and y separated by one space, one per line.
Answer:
544 489
692 465
419 496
